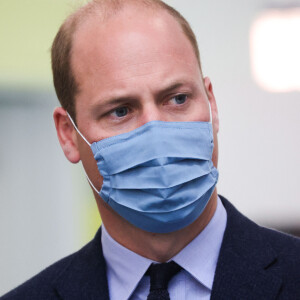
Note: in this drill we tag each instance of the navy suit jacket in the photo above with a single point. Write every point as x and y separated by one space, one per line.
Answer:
254 263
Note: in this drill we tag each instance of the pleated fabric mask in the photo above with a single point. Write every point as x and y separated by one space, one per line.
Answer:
160 176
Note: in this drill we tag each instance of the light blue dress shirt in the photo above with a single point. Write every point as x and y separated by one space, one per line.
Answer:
126 269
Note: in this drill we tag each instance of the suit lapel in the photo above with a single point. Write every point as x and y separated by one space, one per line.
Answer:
85 276
246 267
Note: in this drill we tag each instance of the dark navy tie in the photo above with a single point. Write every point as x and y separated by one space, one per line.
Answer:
160 275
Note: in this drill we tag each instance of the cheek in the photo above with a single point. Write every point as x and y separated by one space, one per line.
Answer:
198 111
215 154
90 165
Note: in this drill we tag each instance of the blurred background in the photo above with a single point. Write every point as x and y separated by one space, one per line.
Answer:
249 49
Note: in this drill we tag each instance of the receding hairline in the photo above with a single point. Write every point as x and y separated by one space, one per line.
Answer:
62 48
105 9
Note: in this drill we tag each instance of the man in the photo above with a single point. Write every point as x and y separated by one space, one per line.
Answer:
138 113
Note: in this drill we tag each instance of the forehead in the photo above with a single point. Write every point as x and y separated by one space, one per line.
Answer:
132 36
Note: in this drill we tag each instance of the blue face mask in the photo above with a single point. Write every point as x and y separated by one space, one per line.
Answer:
160 176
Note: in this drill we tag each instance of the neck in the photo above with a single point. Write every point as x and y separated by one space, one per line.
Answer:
157 247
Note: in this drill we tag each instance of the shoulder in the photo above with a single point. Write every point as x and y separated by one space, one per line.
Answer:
41 285
240 229
72 277
287 260
283 242
240 225
254 251
287 248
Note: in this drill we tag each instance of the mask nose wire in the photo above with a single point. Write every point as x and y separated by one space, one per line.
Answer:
87 177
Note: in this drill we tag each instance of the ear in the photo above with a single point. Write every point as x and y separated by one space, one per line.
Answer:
66 134
213 104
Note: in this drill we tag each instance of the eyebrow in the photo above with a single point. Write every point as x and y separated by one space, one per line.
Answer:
172 87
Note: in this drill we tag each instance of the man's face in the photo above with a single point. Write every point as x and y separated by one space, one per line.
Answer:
133 69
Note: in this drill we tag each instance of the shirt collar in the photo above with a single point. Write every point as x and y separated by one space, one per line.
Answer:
200 256
125 268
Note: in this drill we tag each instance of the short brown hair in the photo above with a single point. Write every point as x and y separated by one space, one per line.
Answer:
63 77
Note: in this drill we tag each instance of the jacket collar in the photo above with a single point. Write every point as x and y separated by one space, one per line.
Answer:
85 275
246 266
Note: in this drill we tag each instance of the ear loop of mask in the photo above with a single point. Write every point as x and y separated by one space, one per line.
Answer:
74 125
87 177
210 113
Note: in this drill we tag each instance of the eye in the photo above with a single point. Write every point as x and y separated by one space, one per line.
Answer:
120 111
179 99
